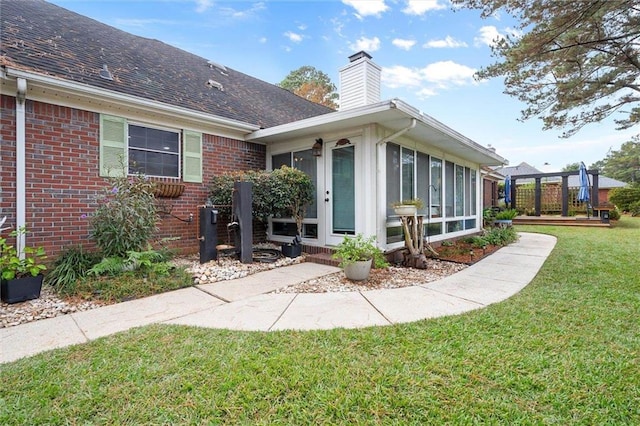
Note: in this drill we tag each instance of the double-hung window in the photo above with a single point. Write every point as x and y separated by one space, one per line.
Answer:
154 152
149 150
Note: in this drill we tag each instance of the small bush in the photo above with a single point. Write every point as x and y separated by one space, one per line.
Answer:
143 261
126 217
70 266
614 214
507 214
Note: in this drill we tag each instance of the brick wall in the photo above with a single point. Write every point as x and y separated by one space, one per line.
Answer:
62 175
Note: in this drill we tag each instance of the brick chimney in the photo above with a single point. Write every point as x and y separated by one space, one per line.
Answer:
359 82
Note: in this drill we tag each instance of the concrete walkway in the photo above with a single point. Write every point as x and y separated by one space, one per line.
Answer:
246 304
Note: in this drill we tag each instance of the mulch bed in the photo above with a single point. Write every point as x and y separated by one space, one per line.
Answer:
463 252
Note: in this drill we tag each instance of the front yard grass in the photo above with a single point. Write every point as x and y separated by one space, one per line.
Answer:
565 350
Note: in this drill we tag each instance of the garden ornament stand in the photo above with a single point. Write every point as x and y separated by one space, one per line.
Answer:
413 228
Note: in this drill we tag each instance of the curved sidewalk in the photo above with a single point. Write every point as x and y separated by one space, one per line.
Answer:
248 304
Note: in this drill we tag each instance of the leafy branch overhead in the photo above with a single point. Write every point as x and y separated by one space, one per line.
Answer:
572 62
312 84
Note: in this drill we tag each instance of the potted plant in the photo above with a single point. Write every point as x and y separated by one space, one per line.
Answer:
357 254
20 270
408 207
505 217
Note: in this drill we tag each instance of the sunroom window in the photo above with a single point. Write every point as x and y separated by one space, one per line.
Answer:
306 162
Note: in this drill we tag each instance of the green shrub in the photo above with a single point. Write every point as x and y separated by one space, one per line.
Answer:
623 198
284 192
634 209
614 214
499 236
507 214
126 217
143 261
70 266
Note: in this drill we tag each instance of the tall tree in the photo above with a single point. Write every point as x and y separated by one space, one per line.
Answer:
572 62
572 167
623 164
312 84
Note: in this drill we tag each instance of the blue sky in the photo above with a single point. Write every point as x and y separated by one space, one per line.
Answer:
428 53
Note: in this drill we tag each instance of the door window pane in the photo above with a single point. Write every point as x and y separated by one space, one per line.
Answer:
343 177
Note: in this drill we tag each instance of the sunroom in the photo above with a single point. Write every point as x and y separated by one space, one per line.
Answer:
364 159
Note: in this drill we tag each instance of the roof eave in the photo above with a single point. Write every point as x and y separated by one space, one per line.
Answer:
80 89
369 114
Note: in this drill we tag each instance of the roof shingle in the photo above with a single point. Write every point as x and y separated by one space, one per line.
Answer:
47 39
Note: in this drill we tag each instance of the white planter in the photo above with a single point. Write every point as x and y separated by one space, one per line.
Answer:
405 210
358 271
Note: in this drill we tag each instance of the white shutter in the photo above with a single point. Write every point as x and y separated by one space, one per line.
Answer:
113 137
192 156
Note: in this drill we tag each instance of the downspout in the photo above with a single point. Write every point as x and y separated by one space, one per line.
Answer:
21 96
381 182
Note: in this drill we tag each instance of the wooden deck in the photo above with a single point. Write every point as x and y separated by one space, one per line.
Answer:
561 221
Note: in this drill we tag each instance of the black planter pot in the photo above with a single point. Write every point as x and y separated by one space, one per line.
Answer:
21 289
291 250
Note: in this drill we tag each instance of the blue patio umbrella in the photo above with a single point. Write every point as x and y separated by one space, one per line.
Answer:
507 189
583 180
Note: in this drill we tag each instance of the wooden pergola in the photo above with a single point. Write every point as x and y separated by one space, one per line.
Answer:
593 199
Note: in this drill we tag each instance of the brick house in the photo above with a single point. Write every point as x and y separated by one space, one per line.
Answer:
77 96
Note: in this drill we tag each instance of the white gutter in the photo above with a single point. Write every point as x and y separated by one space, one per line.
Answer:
381 191
124 99
21 186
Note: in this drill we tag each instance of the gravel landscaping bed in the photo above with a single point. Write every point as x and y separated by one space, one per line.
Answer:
49 305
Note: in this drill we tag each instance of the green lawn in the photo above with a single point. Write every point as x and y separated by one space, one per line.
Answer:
566 350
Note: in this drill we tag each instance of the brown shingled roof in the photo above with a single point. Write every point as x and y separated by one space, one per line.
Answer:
51 40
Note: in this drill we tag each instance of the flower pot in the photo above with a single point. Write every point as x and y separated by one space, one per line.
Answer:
405 210
21 289
358 271
503 223
290 250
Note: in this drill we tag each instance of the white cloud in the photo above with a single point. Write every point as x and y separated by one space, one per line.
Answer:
203 5
401 76
368 44
294 37
242 14
367 7
262 40
448 73
420 7
429 80
488 35
403 44
448 41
